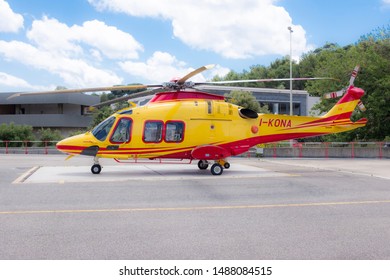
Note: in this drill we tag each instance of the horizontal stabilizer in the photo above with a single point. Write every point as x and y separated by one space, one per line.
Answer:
359 123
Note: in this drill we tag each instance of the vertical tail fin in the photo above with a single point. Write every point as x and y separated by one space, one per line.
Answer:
346 105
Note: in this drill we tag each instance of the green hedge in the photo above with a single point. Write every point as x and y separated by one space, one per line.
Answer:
12 132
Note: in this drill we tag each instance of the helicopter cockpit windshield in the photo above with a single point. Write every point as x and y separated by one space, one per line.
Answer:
101 130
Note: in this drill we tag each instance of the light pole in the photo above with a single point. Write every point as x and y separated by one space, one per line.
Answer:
291 106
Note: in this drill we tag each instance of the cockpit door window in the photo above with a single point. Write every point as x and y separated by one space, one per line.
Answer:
122 131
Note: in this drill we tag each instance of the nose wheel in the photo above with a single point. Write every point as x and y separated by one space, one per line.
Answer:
96 168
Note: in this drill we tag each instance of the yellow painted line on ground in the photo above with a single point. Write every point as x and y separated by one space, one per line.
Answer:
196 208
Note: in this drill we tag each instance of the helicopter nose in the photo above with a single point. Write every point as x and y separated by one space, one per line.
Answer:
69 146
74 145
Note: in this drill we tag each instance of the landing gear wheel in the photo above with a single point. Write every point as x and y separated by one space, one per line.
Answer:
226 165
96 168
216 169
203 164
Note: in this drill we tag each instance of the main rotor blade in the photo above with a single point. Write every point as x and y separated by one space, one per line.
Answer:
95 89
195 72
126 97
262 80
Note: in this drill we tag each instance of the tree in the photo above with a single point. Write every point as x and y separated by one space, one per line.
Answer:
247 100
372 53
101 114
104 112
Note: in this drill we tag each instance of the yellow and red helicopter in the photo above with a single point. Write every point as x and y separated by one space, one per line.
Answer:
183 123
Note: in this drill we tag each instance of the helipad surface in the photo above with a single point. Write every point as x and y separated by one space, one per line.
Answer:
145 172
271 208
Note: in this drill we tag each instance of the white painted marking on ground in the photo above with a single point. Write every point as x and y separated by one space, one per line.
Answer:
26 175
67 174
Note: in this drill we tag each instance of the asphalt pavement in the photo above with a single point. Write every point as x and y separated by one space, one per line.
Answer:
258 209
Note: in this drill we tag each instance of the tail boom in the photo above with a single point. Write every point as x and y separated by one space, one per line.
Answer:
277 127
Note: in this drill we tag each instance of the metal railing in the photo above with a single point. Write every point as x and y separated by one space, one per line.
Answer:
28 147
328 149
277 149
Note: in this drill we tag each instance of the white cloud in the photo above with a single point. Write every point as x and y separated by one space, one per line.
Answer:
112 42
12 81
19 84
53 36
9 21
74 53
74 72
50 34
233 29
163 67
386 3
218 70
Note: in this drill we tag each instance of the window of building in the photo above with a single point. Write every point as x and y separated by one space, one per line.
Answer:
122 131
174 131
153 131
283 108
297 109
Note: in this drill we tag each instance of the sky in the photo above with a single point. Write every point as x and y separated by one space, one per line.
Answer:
91 43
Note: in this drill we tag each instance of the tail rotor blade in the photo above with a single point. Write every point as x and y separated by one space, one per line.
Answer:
341 92
334 94
353 75
361 106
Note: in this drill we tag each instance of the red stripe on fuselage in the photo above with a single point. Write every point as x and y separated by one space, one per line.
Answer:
72 148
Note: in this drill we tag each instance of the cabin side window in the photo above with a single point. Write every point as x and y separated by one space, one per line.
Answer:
122 131
101 130
153 131
174 131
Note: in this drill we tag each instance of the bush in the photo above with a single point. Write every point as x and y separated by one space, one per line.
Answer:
12 132
77 132
47 136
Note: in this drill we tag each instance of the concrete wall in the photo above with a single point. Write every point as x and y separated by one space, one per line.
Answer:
49 120
58 111
331 152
